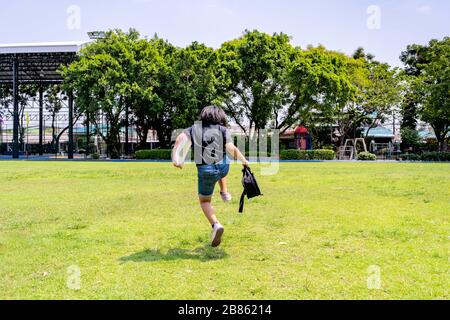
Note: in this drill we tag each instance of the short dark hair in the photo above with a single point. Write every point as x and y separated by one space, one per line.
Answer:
214 115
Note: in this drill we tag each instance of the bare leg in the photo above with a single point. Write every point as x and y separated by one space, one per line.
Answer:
223 183
205 203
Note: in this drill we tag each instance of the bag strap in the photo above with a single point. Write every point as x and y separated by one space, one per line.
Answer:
241 202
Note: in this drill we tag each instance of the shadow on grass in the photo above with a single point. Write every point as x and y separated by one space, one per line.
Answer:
203 254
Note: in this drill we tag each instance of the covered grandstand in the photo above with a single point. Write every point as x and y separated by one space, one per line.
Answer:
36 64
27 125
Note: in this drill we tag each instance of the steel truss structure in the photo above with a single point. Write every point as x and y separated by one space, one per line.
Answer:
36 64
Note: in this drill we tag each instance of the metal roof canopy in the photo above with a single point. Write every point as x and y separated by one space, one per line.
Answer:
379 132
36 62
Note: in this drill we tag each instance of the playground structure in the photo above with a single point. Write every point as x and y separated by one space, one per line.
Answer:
349 151
385 151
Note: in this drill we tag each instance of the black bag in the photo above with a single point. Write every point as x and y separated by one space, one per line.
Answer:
251 188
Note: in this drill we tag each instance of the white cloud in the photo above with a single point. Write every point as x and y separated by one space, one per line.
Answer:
424 9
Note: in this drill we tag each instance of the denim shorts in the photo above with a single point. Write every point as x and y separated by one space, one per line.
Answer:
209 175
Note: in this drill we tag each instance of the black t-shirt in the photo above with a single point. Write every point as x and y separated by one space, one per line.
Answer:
208 142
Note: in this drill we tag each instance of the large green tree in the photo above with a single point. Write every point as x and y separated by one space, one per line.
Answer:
414 58
142 102
434 90
382 95
321 85
105 78
327 87
253 77
266 81
375 96
427 92
188 84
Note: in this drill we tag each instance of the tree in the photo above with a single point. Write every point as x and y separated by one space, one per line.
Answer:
252 77
409 104
195 68
103 79
5 98
428 94
414 58
342 78
382 94
321 85
54 98
26 92
142 99
410 138
53 105
434 90
360 53
377 95
186 84
267 81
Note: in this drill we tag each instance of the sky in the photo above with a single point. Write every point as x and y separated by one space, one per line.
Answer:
383 27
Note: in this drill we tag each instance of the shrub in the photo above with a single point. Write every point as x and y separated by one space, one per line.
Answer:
367 156
410 137
156 154
95 156
327 147
293 154
289 154
247 154
435 156
410 157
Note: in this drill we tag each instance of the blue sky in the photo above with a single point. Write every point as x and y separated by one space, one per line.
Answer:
337 24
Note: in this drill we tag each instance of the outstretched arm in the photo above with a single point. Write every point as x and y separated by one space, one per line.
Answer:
235 153
182 138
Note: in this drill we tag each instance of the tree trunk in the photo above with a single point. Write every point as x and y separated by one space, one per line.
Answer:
441 137
442 144
143 139
372 125
164 141
55 140
142 131
164 131
113 143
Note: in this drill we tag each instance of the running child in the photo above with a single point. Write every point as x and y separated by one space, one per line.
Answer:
211 141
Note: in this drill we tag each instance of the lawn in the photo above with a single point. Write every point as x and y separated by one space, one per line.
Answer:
135 231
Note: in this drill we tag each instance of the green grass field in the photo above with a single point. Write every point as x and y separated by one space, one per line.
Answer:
135 231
